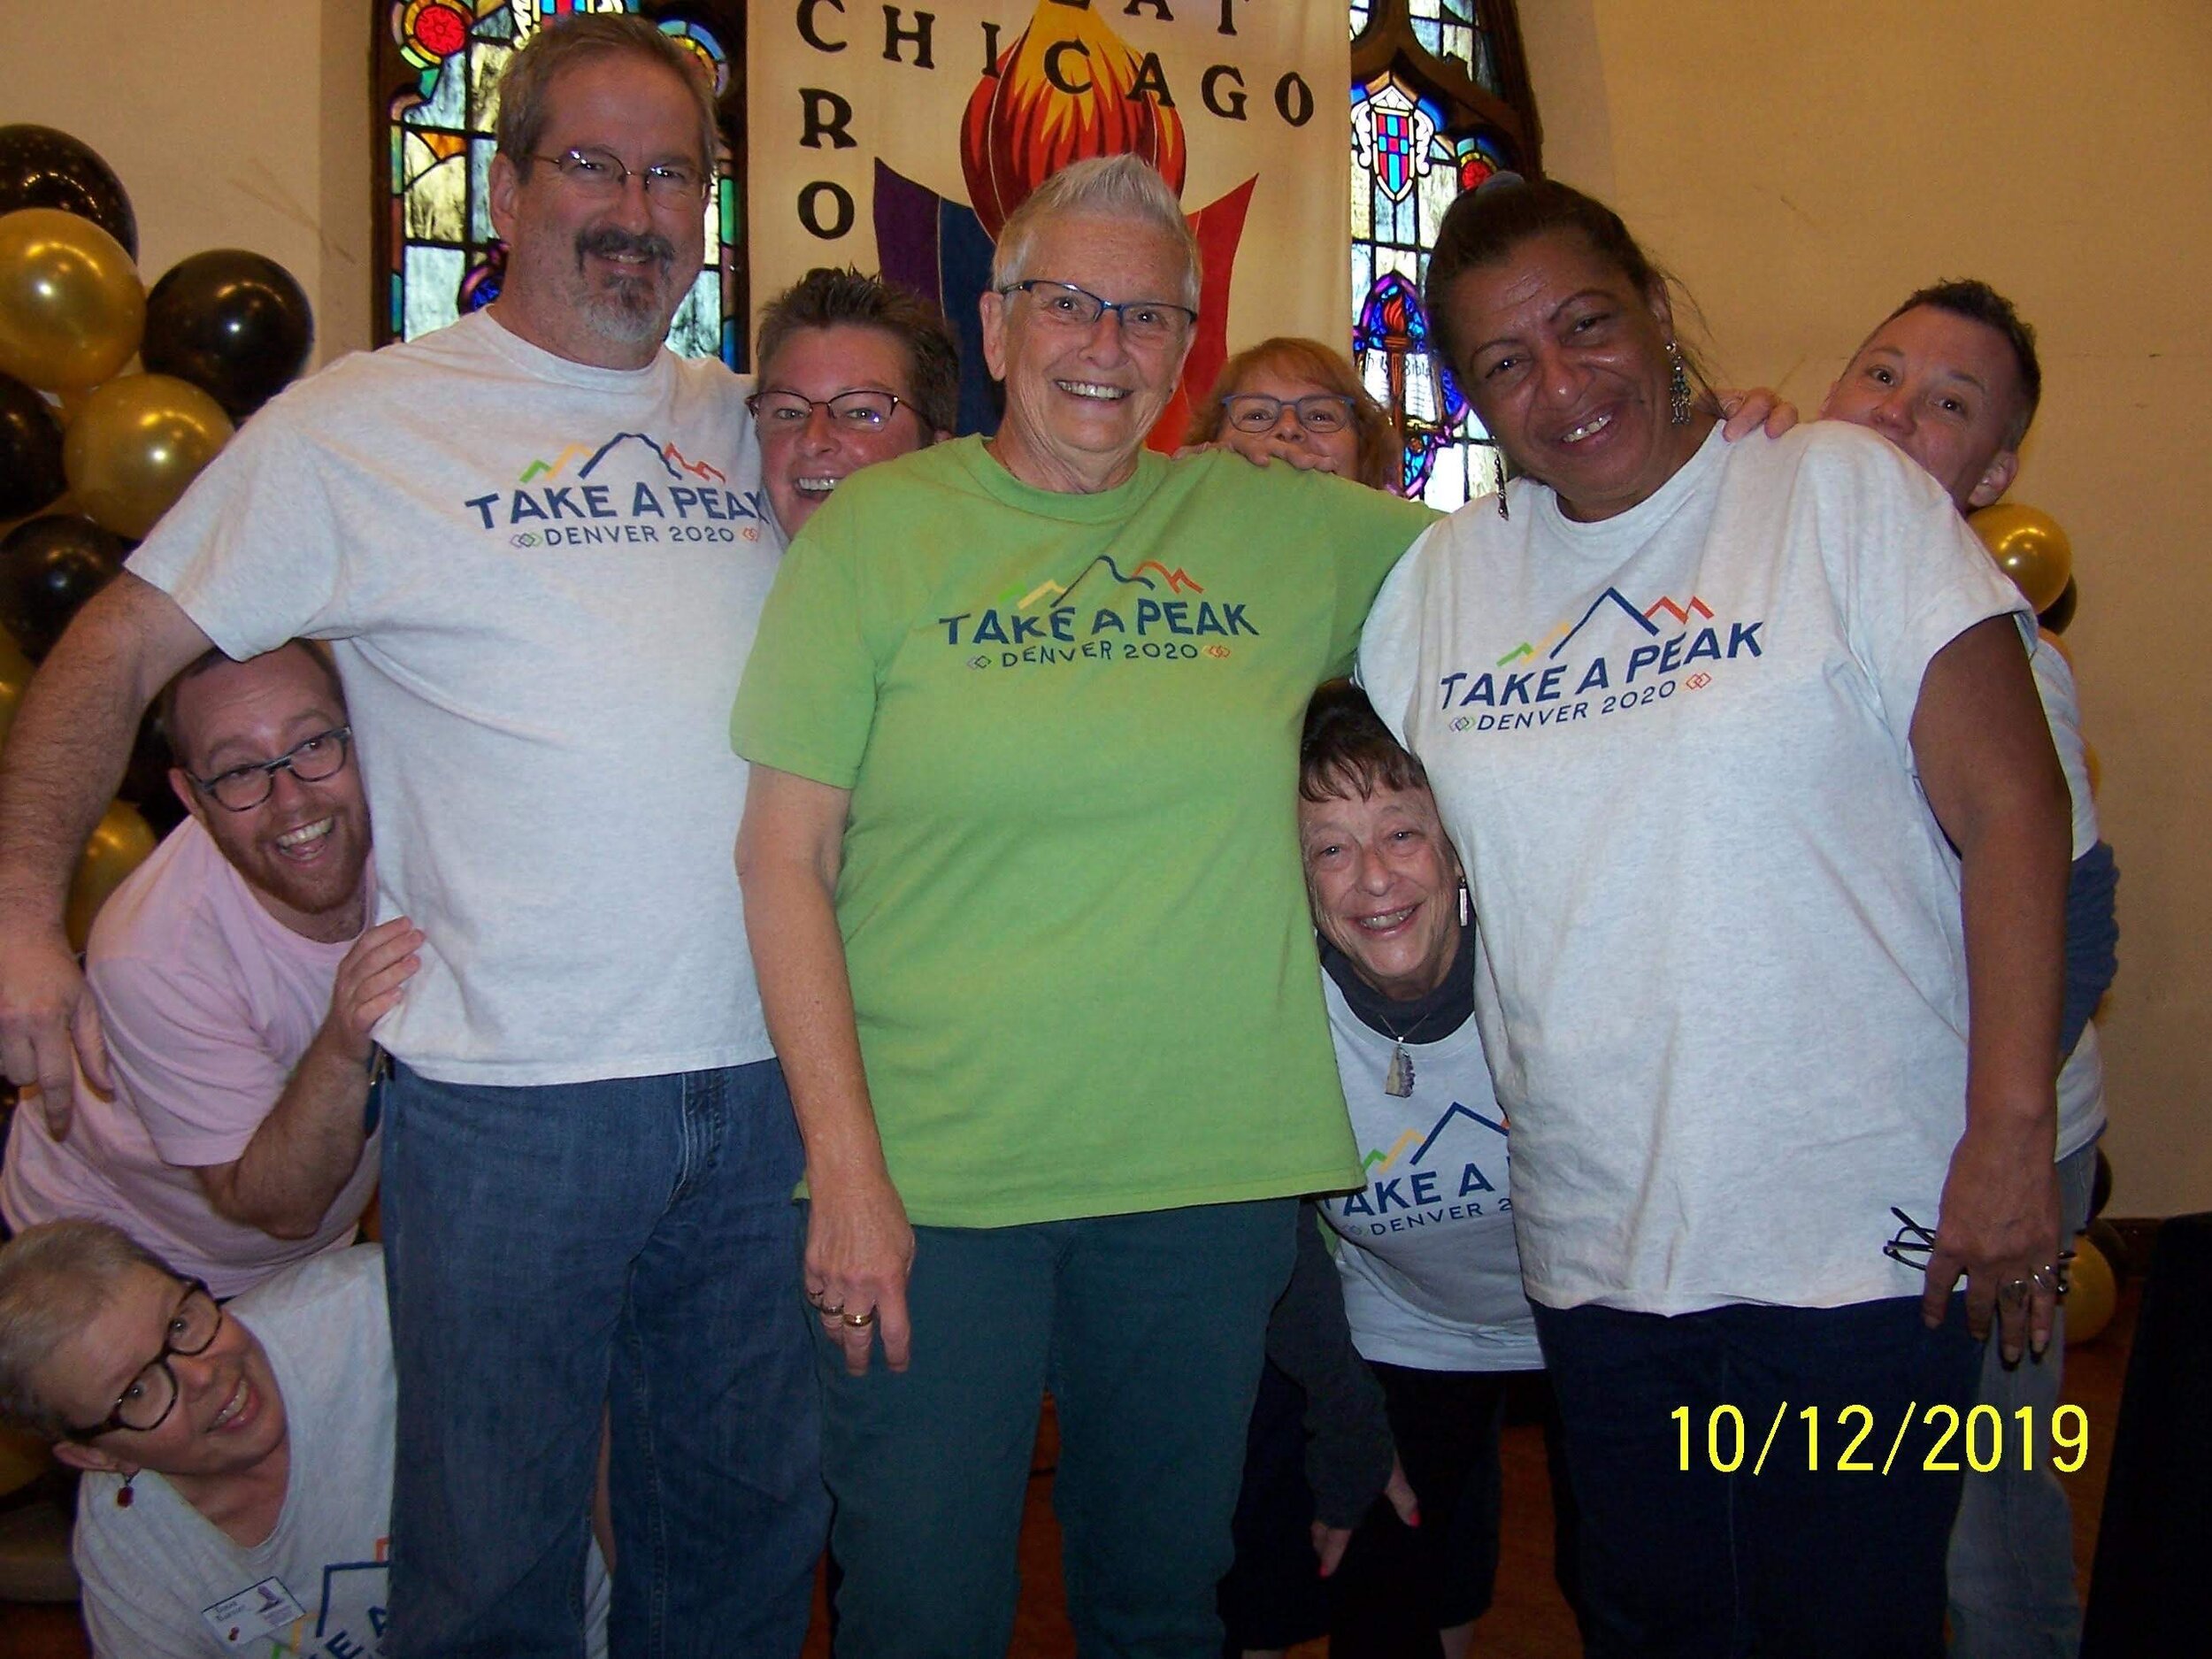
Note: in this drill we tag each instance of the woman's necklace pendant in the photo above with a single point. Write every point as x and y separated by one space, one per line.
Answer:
1398 1081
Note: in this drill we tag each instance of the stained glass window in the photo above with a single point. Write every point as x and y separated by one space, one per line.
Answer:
1413 150
442 256
1404 174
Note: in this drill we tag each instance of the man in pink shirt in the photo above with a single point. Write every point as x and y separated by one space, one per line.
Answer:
236 981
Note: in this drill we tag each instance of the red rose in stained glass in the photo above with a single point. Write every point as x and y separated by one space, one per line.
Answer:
1061 93
441 30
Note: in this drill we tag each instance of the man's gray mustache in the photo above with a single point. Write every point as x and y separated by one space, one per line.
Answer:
608 242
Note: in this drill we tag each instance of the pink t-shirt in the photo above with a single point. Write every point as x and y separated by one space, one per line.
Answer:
207 1002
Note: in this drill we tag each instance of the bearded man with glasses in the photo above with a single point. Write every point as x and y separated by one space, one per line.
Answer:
236 978
539 544
237 1459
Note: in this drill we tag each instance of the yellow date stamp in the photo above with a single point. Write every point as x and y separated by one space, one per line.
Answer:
1854 1439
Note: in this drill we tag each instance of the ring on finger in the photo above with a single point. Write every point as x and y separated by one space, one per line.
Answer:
860 1321
829 1309
2014 1290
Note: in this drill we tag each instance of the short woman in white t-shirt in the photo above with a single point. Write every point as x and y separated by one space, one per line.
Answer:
1740 749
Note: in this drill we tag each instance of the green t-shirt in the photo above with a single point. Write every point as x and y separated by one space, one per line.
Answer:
1071 898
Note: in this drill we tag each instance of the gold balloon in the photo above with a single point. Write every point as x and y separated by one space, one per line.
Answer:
138 441
15 674
2030 547
2094 1293
72 306
117 845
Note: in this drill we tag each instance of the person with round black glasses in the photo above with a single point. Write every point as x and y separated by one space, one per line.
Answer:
236 978
237 1459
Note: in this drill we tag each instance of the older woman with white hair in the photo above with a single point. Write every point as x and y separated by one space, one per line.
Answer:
1021 855
237 1457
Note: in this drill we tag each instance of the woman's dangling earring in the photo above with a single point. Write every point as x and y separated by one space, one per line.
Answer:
1678 386
124 1495
1497 471
1466 905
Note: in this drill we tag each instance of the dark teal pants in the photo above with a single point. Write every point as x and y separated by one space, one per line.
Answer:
1150 1332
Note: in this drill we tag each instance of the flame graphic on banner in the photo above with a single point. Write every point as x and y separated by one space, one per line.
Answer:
1062 93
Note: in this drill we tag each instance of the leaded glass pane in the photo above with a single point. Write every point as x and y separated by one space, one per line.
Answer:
481 153
1449 29
1405 173
437 189
433 289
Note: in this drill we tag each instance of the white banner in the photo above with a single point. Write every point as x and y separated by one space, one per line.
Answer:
897 138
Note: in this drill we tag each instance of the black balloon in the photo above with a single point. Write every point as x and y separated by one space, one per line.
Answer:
49 567
40 167
235 324
30 451
2062 608
146 777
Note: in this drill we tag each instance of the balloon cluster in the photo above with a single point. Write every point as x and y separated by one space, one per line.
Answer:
93 452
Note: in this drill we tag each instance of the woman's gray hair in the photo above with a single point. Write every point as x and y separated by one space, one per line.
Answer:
54 1278
1106 186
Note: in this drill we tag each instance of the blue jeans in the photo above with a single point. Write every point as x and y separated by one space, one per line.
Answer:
1150 1331
2012 1548
627 1246
1803 1558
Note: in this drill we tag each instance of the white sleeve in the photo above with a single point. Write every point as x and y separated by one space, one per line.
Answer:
1909 575
252 552
2061 707
1389 663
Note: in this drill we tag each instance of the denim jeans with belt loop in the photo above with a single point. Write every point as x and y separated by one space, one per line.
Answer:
628 1247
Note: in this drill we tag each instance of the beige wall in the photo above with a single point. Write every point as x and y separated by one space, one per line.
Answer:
282 169
1803 167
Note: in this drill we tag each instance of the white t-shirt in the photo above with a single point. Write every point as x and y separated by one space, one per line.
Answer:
2081 1079
162 1582
1723 981
1431 1276
207 1003
541 580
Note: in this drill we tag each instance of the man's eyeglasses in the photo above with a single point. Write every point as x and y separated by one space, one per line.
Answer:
145 1405
1322 413
312 759
1145 322
1914 1244
849 411
601 172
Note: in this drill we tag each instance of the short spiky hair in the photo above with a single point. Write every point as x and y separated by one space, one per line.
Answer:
1346 747
526 84
1975 300
1105 187
214 656
828 298
53 1278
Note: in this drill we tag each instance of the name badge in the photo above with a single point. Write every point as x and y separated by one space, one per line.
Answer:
254 1612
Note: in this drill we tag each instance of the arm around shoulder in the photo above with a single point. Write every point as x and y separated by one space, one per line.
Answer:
1986 763
65 756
